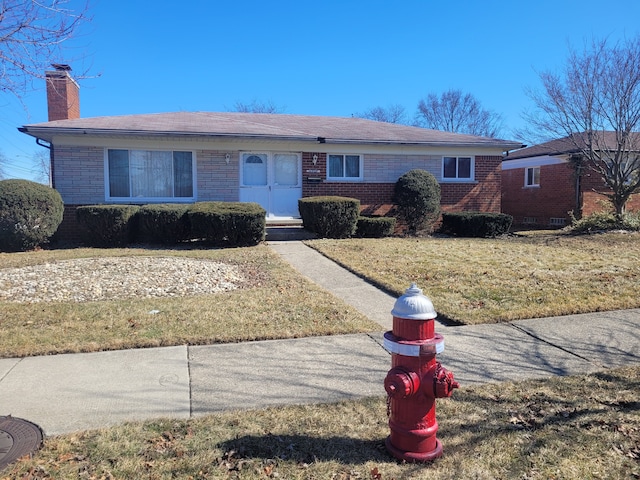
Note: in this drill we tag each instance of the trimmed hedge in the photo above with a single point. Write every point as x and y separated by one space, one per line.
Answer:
330 216
228 223
30 214
165 223
476 224
106 225
375 227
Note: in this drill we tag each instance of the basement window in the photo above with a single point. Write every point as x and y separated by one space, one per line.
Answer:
557 222
149 175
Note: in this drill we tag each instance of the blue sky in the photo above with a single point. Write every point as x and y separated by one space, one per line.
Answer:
336 57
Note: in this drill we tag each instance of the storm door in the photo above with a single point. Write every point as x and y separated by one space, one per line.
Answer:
273 180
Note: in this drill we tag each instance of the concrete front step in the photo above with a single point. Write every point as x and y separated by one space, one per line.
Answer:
289 232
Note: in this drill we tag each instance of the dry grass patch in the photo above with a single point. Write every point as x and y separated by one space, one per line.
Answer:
273 301
492 280
566 427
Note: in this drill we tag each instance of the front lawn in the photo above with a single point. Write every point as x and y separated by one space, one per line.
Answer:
473 281
273 302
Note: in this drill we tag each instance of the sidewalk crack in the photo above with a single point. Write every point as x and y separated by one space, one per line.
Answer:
190 383
11 369
559 347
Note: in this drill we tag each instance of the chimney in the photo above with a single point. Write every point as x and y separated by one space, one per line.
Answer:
63 94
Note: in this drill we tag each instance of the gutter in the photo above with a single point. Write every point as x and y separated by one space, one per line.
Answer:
44 132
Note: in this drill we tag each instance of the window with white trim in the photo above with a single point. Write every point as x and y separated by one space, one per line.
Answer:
149 175
344 167
532 177
457 168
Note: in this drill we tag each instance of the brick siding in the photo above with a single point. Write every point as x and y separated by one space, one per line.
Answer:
554 198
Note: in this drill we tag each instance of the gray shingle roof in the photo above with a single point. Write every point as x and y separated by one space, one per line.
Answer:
261 125
572 144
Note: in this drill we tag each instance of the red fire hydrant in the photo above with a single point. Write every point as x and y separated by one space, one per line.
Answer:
415 380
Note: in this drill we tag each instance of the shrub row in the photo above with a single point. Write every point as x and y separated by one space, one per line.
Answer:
219 223
476 224
339 217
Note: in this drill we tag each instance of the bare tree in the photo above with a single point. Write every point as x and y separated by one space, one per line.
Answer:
256 107
3 162
595 103
454 111
31 37
391 114
42 166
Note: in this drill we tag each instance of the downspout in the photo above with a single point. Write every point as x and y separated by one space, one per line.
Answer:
578 167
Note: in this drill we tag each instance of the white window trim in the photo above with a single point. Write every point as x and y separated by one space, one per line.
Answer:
472 179
109 198
526 177
360 178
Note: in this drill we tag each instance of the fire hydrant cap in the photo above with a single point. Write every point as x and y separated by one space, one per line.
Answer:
413 305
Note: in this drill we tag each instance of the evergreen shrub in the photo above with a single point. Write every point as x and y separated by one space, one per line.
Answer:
330 216
30 214
417 196
476 224
107 225
228 223
375 227
164 223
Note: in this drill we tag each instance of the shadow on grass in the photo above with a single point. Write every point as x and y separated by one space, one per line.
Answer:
307 449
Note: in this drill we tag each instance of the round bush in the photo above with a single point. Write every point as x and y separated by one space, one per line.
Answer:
417 195
30 214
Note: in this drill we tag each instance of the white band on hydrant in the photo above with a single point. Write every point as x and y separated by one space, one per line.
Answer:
413 348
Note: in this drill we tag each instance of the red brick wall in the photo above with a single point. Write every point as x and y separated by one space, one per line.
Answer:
63 96
552 199
483 195
593 200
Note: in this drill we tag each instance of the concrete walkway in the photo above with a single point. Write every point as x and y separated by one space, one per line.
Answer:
65 393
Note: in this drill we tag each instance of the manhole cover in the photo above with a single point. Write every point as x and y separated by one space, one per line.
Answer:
17 439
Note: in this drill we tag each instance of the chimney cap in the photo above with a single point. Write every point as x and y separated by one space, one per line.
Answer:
63 67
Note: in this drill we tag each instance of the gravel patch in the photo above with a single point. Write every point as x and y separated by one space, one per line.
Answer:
91 279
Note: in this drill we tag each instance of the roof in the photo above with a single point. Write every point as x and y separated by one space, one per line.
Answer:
567 145
261 125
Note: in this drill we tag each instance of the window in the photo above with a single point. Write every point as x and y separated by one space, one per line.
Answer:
532 177
457 168
344 167
149 174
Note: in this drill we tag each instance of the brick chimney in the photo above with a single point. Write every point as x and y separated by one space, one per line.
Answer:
63 94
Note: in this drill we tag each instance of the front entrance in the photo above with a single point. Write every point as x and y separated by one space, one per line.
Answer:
273 180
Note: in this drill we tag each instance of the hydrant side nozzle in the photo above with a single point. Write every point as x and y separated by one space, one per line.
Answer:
443 382
401 383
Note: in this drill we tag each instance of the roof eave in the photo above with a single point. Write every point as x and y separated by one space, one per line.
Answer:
47 133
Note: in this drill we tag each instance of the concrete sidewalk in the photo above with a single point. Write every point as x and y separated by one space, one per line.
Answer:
64 393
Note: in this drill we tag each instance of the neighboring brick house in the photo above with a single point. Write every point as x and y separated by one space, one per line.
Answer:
540 188
271 159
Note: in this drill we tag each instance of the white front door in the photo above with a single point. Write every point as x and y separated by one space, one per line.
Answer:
273 180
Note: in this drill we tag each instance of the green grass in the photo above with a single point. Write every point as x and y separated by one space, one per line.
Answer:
582 427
